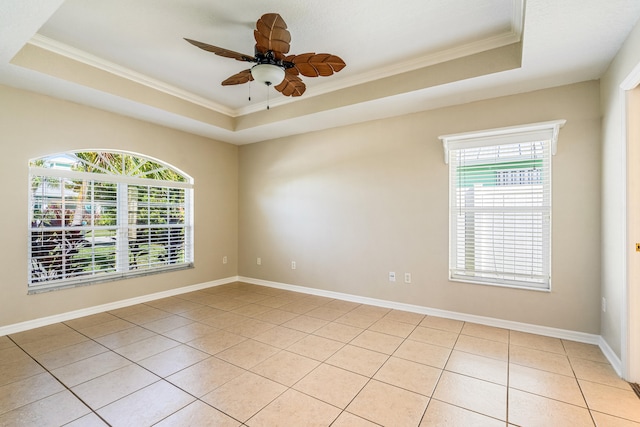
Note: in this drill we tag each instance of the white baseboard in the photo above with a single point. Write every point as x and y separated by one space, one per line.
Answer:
49 320
489 321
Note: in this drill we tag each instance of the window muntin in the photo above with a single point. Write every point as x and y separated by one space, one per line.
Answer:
99 215
500 205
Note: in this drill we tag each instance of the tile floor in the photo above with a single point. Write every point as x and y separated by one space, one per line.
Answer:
246 355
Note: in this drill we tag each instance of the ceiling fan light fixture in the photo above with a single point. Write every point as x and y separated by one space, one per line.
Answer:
268 74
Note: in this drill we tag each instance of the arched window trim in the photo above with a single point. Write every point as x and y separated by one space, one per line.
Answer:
149 219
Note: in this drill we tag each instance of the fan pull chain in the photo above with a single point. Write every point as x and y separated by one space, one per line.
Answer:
249 90
268 85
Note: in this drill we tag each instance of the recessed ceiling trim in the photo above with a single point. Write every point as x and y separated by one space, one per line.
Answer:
67 51
468 49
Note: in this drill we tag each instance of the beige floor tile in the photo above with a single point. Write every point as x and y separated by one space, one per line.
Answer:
486 332
293 408
299 307
225 320
92 320
405 317
277 317
13 355
316 348
483 368
552 362
533 410
276 301
52 343
151 314
584 351
339 332
38 334
205 376
424 353
251 310
5 343
90 368
546 384
56 410
89 420
280 337
357 320
349 420
359 360
201 313
482 347
371 310
71 354
173 360
388 405
434 336
325 313
392 327
248 353
167 323
597 372
19 370
110 387
146 348
442 414
305 324
470 393
332 385
538 342
216 342
285 367
244 396
28 390
409 375
605 420
175 305
198 414
341 305
611 400
129 310
377 341
449 325
106 328
146 406
252 297
190 332
126 337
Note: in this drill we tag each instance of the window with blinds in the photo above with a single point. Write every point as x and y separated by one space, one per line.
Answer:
97 216
500 205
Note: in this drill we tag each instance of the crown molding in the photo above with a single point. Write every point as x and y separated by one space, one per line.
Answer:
67 51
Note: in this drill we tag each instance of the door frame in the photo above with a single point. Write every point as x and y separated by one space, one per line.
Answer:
630 346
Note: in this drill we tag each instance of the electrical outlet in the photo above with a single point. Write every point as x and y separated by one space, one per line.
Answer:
407 277
392 276
604 305
224 259
259 261
293 265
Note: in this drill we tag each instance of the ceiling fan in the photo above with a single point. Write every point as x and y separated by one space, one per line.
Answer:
273 67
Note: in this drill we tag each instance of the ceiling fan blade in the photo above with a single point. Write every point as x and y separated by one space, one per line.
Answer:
222 51
316 64
291 86
271 34
238 79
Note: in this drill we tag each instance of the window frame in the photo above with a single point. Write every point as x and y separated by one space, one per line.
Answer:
529 133
122 180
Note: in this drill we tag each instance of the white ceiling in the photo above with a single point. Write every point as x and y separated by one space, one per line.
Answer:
141 40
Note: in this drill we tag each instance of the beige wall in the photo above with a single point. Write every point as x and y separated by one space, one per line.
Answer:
613 190
34 125
351 204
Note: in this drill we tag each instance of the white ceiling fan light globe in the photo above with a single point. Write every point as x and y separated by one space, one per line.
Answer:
268 74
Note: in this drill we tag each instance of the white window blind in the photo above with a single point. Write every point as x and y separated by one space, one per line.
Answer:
500 207
102 216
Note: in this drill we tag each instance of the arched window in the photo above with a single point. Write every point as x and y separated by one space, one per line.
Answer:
106 215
